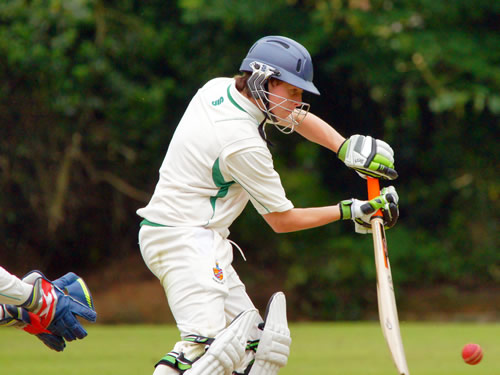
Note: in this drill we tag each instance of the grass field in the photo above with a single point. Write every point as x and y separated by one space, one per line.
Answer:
331 348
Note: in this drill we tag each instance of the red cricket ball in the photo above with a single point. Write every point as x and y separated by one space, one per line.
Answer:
472 354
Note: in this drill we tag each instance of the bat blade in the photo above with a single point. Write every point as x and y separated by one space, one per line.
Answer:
388 313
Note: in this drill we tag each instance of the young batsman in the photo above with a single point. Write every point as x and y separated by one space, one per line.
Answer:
44 308
217 161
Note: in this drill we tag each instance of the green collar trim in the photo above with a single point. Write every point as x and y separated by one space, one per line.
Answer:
233 101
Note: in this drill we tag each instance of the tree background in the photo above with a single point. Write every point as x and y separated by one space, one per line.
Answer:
91 92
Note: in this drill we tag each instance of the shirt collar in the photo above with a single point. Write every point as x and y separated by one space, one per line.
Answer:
243 103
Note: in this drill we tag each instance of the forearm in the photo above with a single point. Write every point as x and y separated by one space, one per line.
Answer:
318 131
302 218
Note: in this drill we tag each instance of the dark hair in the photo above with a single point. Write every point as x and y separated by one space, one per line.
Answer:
241 83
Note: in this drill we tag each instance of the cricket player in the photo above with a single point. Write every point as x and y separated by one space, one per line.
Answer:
217 161
44 308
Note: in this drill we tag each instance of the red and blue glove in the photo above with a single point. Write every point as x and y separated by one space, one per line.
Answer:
14 316
50 313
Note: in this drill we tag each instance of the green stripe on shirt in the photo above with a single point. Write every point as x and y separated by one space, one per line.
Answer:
151 224
232 100
220 183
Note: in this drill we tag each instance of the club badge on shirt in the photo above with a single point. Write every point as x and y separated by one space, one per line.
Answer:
219 275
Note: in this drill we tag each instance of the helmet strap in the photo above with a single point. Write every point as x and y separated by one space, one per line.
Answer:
262 131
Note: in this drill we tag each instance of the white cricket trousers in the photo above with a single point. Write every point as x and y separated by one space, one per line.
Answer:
194 267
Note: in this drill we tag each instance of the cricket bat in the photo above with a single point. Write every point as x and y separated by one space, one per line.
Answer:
388 312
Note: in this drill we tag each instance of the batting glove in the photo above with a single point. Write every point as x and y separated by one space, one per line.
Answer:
50 314
368 156
362 211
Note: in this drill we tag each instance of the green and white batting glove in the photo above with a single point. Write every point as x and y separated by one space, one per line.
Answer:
361 211
368 156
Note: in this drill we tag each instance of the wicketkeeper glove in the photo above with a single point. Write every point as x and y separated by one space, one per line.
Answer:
368 156
362 211
49 313
18 317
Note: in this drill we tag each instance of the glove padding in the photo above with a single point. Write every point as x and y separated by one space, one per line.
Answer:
368 156
50 314
362 211
19 317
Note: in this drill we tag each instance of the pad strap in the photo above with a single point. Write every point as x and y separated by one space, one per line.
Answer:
176 361
228 348
252 345
195 339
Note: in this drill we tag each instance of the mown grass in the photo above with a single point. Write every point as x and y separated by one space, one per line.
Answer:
334 348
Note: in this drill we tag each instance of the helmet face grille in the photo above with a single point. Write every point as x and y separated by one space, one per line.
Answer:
292 114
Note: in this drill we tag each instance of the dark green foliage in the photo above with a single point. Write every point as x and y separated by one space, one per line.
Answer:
91 91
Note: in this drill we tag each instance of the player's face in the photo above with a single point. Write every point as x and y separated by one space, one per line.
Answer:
287 96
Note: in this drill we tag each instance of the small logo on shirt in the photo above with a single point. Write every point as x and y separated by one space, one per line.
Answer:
219 275
218 101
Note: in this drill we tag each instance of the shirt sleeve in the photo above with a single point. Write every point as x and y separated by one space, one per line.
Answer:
253 169
13 291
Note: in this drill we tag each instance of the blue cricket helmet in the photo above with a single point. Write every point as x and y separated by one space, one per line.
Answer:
291 59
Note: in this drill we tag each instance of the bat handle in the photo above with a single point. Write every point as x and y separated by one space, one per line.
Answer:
373 191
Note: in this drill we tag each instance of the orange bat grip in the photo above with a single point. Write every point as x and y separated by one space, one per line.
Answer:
373 191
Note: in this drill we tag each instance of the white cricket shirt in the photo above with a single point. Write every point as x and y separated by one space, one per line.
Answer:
13 291
215 163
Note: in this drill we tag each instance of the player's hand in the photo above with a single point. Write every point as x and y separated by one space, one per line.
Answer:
12 316
52 309
56 310
368 156
362 211
50 313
